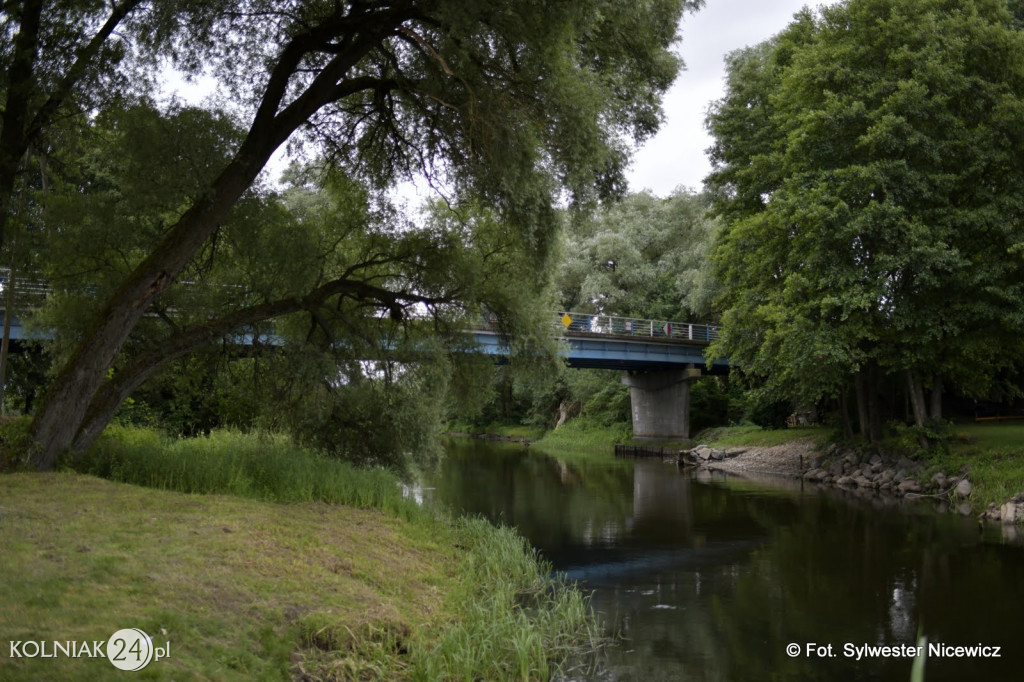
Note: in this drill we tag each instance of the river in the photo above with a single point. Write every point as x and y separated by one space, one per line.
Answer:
706 577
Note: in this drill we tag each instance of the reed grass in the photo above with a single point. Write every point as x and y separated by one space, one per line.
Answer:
265 466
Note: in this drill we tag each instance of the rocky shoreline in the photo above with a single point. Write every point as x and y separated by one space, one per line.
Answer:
885 474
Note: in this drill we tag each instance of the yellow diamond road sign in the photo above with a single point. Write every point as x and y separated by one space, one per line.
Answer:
566 320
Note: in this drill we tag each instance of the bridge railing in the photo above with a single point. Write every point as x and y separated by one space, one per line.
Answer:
612 325
29 291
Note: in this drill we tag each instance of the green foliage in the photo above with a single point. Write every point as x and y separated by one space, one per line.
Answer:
709 404
15 444
521 626
865 173
768 412
641 257
585 435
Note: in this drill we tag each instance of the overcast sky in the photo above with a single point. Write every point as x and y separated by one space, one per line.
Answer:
675 156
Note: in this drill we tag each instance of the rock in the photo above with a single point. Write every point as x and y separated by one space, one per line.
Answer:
964 508
908 485
907 464
963 488
886 476
1008 512
844 480
811 474
836 469
939 480
734 452
718 455
875 459
990 514
900 475
877 466
824 476
863 481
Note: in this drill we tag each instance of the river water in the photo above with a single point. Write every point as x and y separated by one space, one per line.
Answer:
713 578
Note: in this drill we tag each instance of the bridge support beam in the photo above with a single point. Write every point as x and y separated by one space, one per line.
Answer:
661 403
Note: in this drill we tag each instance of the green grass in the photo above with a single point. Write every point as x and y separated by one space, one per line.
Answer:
1005 438
992 454
274 579
581 435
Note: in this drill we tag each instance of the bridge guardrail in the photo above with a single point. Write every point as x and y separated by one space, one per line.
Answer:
590 323
28 291
613 325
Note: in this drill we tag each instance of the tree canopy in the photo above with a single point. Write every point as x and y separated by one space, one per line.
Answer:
867 166
516 105
642 257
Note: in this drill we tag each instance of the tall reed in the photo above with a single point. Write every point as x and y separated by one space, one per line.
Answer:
268 467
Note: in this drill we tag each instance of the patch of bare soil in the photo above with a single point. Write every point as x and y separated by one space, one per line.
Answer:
788 459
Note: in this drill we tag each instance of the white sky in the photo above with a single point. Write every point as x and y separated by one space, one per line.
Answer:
675 156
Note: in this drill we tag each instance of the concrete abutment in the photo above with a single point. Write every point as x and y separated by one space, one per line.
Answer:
660 403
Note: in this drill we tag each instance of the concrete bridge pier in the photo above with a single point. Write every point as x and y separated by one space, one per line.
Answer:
660 403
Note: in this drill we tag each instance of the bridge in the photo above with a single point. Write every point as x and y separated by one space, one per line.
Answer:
659 358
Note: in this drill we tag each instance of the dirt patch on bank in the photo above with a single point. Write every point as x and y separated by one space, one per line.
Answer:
788 459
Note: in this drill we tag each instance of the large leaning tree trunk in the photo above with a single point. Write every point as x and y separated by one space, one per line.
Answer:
63 410
138 369
512 101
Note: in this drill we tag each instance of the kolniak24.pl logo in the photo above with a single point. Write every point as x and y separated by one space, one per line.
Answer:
127 649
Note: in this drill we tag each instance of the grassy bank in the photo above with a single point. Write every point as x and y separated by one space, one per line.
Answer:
296 572
583 436
992 454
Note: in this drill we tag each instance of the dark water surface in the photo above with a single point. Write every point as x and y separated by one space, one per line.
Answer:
711 578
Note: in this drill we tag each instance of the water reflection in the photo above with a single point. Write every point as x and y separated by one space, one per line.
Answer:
711 578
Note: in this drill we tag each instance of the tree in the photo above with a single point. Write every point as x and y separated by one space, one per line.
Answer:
348 279
510 102
641 257
866 166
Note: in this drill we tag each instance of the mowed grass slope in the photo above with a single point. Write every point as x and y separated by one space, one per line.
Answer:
233 584
269 582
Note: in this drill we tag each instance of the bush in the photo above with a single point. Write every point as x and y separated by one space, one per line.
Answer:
14 443
769 413
709 405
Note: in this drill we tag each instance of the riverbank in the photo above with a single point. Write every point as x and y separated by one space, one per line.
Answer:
982 474
265 585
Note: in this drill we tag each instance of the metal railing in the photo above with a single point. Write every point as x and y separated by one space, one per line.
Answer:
612 325
633 327
29 291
